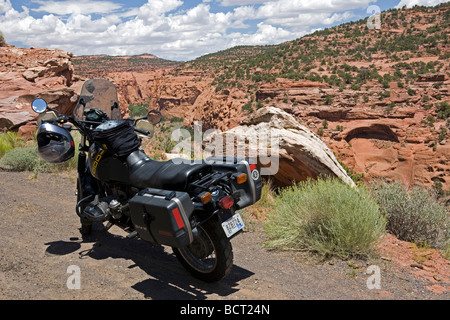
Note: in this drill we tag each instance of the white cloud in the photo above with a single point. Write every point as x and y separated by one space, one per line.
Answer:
230 3
266 34
156 8
412 3
68 7
304 21
290 8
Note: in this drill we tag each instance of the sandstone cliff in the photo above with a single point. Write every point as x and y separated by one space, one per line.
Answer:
26 74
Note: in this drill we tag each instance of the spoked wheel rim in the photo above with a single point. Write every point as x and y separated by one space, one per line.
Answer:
201 253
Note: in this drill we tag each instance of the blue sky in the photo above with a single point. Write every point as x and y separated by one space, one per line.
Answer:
174 29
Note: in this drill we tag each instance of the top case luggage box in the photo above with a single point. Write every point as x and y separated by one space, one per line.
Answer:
162 216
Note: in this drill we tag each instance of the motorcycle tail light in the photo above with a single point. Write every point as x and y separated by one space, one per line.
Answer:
205 197
240 179
226 202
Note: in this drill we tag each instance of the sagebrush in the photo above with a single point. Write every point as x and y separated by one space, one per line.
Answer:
413 215
325 216
24 159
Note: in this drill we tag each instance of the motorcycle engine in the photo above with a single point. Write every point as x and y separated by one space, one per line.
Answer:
101 209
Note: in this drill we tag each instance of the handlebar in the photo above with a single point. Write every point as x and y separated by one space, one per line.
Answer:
145 132
83 125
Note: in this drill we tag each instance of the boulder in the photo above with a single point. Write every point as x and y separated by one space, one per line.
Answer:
284 149
32 73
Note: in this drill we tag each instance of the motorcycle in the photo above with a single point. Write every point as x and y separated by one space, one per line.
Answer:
190 206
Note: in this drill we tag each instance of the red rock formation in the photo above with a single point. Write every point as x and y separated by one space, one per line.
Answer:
386 138
26 74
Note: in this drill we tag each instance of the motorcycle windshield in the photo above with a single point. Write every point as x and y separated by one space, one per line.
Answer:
98 97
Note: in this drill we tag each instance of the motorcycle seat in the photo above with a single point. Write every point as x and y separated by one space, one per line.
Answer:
145 172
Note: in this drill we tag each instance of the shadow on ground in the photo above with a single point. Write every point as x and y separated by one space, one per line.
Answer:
167 278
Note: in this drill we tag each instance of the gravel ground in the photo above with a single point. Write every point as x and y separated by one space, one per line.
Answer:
41 245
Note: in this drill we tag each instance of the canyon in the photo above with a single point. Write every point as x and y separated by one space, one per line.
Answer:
381 109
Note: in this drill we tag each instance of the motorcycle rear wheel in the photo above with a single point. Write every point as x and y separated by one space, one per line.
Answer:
210 256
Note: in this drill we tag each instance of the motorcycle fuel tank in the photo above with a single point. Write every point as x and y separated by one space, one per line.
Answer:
105 167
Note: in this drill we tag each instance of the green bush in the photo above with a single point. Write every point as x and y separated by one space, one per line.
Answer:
138 110
247 107
2 40
443 110
328 100
411 92
412 215
23 159
326 217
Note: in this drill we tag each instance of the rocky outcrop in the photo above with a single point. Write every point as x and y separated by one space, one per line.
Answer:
433 77
300 92
284 149
189 98
26 74
372 131
174 97
386 137
136 87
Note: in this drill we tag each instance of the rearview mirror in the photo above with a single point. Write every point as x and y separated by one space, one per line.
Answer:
145 126
154 116
39 105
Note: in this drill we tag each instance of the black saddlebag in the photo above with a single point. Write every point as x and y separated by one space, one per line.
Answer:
162 216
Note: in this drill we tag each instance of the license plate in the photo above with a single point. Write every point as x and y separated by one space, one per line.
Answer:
233 225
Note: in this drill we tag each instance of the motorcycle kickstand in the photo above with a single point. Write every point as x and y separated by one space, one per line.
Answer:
97 243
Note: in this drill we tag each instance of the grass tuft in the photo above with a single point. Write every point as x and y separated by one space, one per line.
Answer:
10 140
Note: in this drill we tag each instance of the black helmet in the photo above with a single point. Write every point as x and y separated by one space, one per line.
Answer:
55 144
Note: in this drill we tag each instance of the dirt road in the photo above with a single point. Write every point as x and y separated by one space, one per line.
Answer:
40 246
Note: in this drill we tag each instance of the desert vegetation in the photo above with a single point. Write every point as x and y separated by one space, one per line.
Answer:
18 153
93 66
328 218
413 215
2 40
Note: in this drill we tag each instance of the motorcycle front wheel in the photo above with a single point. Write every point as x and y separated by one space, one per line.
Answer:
210 256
